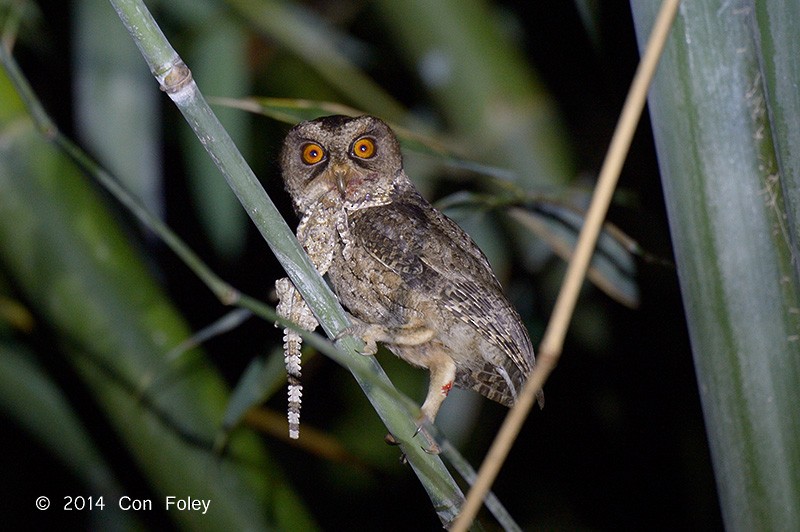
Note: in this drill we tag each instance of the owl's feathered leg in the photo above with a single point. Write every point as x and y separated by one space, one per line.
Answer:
441 366
426 354
292 307
413 334
443 373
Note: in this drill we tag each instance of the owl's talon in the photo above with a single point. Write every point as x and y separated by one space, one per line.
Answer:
370 347
433 447
391 440
361 331
434 450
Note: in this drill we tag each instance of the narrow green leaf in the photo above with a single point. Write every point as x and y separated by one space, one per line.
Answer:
612 268
216 61
262 379
308 36
111 81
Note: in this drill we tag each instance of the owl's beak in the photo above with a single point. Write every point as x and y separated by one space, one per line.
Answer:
340 173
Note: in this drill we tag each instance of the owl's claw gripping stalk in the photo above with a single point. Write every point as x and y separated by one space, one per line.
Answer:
433 447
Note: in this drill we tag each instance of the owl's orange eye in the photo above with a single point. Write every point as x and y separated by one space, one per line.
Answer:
313 153
364 148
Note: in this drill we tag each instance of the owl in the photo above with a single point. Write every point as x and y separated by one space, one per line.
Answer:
409 277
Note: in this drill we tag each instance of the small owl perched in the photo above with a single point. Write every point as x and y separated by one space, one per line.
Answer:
408 275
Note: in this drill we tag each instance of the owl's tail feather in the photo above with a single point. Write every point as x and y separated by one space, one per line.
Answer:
291 350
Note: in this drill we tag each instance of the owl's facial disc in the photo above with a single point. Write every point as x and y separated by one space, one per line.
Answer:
332 159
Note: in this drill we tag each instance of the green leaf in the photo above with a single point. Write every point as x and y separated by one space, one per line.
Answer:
111 81
612 268
216 62
260 381
308 36
729 181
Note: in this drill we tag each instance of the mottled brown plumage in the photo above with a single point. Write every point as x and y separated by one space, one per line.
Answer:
409 276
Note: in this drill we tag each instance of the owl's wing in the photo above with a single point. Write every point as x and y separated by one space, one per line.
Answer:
435 257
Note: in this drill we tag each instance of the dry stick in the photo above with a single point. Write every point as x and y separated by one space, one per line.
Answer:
552 344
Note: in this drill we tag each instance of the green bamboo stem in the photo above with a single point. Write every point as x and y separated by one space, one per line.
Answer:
176 80
729 177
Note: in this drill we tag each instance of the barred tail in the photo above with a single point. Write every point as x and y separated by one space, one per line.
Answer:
291 349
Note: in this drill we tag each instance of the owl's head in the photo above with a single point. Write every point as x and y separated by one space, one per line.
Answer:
340 159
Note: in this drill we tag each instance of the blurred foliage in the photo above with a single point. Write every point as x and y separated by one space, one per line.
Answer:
516 105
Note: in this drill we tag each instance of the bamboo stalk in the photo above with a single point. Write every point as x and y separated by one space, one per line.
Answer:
176 80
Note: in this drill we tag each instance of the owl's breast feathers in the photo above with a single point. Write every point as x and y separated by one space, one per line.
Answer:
439 263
